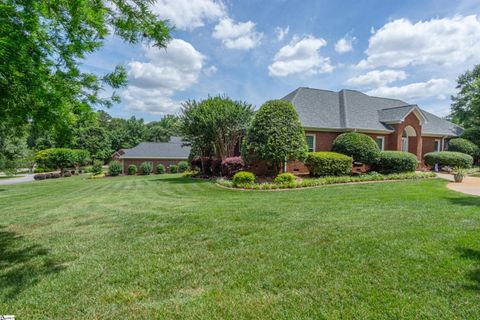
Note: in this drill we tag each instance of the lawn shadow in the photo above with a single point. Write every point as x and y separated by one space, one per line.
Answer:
181 180
465 201
474 275
22 264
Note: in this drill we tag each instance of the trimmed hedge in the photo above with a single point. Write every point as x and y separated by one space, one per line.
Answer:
396 162
359 146
328 164
39 176
132 169
243 177
182 166
114 168
146 167
464 146
160 168
285 177
173 168
449 158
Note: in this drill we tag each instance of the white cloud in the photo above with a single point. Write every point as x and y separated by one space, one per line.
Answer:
447 41
281 32
345 44
210 71
152 84
300 56
438 88
377 78
241 35
189 14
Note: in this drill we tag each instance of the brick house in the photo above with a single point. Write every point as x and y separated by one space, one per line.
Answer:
166 153
392 123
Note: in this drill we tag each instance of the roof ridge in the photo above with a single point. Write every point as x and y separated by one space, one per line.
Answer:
398 107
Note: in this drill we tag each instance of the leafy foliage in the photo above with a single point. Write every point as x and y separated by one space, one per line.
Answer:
58 158
328 164
160 168
97 167
359 146
464 146
275 135
284 178
173 168
146 167
182 166
214 126
114 168
449 158
243 177
44 43
132 169
466 104
232 165
396 162
472 134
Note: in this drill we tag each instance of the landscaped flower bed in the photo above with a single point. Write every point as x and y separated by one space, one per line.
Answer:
315 182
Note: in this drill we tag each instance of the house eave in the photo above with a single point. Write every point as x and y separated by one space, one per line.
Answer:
348 129
156 158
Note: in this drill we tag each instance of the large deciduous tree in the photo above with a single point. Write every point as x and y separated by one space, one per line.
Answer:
275 135
466 104
215 126
42 44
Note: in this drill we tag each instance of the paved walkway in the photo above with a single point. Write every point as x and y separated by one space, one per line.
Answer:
470 185
23 178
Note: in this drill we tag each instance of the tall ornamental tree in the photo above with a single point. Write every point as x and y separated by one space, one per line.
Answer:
275 135
466 104
43 43
215 125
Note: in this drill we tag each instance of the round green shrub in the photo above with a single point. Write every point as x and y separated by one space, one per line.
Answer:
160 168
146 167
284 178
396 162
449 158
114 168
328 164
359 146
182 166
97 167
173 168
132 169
243 177
464 146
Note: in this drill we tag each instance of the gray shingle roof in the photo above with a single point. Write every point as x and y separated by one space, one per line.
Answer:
158 150
350 109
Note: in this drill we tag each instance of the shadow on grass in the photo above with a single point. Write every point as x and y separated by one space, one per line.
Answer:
465 201
181 180
22 264
475 274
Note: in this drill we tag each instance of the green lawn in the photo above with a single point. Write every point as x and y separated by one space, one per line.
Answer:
167 247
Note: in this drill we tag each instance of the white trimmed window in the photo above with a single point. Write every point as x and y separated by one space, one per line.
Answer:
438 144
381 142
310 142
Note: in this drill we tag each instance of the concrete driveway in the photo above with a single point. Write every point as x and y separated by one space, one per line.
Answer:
470 185
15 180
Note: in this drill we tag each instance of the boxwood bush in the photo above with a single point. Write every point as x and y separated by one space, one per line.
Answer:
243 177
284 178
449 158
146 167
396 162
132 169
328 164
359 146
464 146
114 168
160 168
173 168
182 166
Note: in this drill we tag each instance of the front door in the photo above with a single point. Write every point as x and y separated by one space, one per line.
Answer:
405 144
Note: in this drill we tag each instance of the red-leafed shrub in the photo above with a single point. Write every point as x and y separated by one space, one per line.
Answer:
207 165
232 165
39 176
48 175
55 175
67 174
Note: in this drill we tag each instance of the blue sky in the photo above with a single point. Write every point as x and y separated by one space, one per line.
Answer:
261 50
